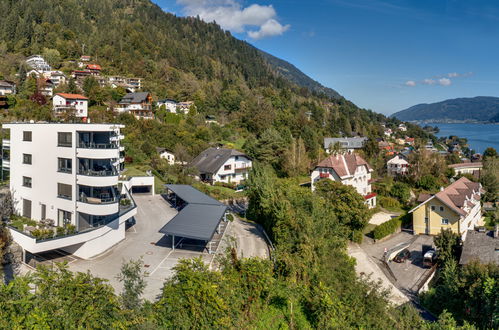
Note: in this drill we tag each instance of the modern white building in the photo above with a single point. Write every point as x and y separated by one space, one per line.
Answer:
38 63
398 165
402 128
474 169
349 169
170 105
67 173
222 165
7 88
70 103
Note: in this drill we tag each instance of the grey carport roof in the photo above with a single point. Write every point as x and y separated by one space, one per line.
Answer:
199 219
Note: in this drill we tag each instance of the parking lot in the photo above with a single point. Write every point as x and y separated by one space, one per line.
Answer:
407 275
144 241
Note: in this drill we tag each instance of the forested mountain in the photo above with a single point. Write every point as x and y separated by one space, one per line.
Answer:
480 108
293 74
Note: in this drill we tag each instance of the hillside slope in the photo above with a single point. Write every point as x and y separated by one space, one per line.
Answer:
480 108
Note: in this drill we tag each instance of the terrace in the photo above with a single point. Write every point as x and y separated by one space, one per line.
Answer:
97 140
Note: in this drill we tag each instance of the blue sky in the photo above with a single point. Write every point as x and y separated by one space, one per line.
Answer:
383 55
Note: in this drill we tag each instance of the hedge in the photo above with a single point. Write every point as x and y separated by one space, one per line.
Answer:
387 228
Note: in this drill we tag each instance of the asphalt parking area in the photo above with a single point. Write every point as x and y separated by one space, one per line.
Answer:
143 241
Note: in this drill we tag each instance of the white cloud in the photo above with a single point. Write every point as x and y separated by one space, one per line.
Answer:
444 82
429 81
231 15
410 83
453 75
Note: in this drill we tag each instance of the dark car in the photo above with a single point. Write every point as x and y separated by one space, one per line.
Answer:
402 256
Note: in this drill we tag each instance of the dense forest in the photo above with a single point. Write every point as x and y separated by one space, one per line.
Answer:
311 281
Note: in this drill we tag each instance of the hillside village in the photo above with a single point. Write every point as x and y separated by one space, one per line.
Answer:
97 169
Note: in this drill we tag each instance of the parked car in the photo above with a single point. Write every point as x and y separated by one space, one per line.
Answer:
402 256
429 258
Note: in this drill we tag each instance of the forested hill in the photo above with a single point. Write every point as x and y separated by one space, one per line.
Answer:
481 109
292 73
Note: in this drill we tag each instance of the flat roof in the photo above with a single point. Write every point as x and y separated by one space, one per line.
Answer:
199 219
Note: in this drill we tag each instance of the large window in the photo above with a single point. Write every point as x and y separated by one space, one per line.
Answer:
27 208
64 191
26 182
65 165
27 136
64 218
64 139
27 159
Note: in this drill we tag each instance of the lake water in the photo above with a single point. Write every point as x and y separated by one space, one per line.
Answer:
480 136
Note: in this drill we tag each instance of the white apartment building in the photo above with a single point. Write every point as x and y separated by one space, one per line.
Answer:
74 103
68 173
398 165
170 105
222 165
38 63
349 169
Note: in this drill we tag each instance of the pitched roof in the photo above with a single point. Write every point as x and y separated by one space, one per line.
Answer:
5 83
72 96
160 150
483 247
94 67
455 195
134 98
210 160
344 165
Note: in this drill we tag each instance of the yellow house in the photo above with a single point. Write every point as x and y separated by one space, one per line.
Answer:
456 207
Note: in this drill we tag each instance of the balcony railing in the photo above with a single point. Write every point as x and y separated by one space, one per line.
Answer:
5 143
240 167
98 199
93 172
324 175
94 145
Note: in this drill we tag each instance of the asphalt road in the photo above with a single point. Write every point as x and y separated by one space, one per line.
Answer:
250 241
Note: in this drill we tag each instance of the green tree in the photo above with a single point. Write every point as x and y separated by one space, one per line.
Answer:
490 153
133 284
448 244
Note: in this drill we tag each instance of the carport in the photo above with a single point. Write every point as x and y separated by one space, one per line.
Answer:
199 216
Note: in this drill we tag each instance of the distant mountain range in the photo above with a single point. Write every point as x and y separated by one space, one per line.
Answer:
475 109
292 73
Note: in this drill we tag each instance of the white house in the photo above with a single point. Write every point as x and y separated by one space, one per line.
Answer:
222 165
137 104
38 63
170 105
398 165
349 144
468 168
58 78
184 107
7 88
45 87
63 102
349 169
67 173
402 128
166 154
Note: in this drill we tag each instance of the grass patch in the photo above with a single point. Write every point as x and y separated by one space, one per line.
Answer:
217 192
18 222
141 170
238 144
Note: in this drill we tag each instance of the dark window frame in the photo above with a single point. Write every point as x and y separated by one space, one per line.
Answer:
26 183
65 169
28 156
27 136
63 142
60 191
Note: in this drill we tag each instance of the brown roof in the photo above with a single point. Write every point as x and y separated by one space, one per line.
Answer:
344 165
456 194
423 198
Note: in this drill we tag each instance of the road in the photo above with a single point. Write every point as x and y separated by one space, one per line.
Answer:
250 241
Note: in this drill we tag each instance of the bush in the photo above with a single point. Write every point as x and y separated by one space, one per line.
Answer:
125 202
230 217
226 185
387 228
42 233
389 202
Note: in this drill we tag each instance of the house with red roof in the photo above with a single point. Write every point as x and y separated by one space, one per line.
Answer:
94 68
456 207
74 103
349 169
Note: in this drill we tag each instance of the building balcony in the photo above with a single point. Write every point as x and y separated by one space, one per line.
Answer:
5 143
242 167
97 153
94 207
5 163
324 175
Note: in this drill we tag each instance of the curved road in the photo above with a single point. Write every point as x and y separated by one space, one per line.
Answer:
250 241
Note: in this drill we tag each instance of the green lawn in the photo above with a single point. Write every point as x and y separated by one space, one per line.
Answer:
217 192
237 144
140 170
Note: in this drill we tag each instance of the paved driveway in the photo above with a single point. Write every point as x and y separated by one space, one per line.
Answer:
250 241
143 241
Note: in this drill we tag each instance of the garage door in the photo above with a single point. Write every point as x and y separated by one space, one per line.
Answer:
142 190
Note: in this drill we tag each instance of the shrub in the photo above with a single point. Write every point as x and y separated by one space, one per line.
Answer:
388 202
42 233
125 202
387 228
230 217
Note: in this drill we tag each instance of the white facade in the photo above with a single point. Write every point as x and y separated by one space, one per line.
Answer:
170 157
170 105
68 173
402 128
37 62
234 170
397 166
7 88
70 102
467 168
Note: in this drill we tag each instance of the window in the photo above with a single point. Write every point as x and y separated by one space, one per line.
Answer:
27 136
26 182
426 220
441 208
64 218
27 159
64 165
27 208
433 208
64 139
227 167
64 191
445 221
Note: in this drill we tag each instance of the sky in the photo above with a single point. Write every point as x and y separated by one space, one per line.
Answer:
383 55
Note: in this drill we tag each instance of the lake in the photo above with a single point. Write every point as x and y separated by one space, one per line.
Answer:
480 136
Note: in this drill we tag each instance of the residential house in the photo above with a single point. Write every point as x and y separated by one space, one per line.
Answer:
37 62
94 68
388 132
166 154
85 58
348 144
349 169
481 246
70 103
67 173
169 104
409 141
131 85
45 87
430 146
474 169
398 165
7 88
57 77
184 107
222 165
137 104
402 128
456 207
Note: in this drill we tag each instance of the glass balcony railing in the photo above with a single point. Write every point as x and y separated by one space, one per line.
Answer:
97 145
98 195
